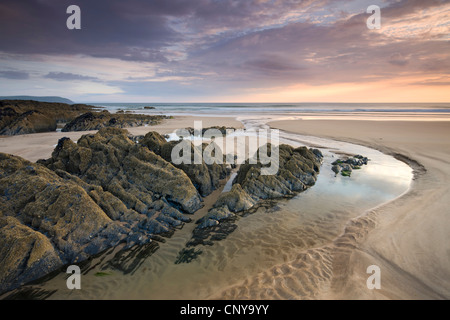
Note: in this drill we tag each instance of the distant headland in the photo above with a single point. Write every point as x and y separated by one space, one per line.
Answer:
40 99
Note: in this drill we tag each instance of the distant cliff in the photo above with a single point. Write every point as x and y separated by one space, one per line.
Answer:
40 99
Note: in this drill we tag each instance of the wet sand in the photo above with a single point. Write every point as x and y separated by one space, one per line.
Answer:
407 238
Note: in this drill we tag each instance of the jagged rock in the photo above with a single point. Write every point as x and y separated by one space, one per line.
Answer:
55 216
153 141
317 152
88 197
207 223
346 167
25 254
217 171
203 176
364 160
28 122
236 200
198 173
193 132
98 120
298 169
24 117
336 169
214 216
127 170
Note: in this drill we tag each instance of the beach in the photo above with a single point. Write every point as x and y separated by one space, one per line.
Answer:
407 238
316 259
41 145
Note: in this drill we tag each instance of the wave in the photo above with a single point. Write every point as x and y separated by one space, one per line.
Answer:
268 108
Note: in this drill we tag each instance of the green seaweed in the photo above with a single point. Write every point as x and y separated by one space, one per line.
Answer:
345 173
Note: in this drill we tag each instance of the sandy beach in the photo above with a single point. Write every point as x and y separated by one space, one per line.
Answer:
407 238
41 145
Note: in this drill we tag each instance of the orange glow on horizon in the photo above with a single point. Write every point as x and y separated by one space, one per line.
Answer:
393 91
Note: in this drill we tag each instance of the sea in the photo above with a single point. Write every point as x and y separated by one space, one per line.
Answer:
292 110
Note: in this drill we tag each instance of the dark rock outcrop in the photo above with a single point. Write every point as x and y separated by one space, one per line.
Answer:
86 198
346 166
31 121
298 169
130 171
98 120
24 117
25 254
47 221
193 132
205 177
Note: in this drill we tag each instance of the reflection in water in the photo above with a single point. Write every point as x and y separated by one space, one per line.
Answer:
268 237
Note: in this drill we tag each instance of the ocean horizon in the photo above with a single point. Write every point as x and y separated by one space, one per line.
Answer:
292 109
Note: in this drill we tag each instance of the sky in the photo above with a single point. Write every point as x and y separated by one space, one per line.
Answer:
226 51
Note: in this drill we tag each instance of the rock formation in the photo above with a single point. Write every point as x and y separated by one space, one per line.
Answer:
23 117
46 221
204 177
298 170
194 132
87 197
110 188
111 160
346 166
98 120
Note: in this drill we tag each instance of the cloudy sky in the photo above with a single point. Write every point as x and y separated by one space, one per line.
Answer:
227 51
